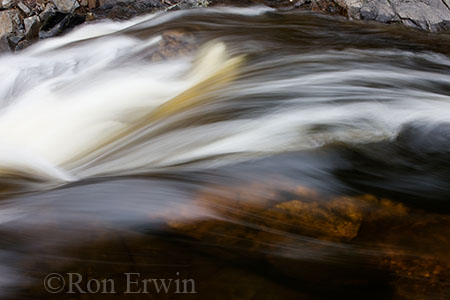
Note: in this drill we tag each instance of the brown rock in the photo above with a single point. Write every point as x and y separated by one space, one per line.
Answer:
335 219
9 21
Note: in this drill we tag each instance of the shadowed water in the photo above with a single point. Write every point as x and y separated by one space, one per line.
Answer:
263 154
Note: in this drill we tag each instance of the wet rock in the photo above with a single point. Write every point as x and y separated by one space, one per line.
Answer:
415 248
66 6
172 44
309 214
56 23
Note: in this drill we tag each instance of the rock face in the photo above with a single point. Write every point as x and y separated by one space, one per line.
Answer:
430 15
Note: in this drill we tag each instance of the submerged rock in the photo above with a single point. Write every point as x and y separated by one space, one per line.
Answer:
299 222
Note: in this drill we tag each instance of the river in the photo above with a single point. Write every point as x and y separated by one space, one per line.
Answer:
260 154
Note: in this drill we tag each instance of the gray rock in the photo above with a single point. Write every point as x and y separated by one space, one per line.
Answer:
32 25
24 8
9 21
378 10
66 6
14 40
431 15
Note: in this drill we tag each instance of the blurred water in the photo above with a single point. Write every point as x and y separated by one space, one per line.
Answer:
117 136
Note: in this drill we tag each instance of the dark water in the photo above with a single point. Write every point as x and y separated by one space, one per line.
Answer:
317 169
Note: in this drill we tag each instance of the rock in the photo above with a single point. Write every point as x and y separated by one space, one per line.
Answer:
430 15
172 44
4 44
378 10
8 3
9 42
50 18
24 8
66 6
266 205
49 9
32 26
125 9
14 40
9 21
58 23
84 2
186 4
22 45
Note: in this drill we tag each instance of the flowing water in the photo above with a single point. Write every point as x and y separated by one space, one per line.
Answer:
262 154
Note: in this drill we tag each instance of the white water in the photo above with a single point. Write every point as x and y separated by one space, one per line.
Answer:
64 100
